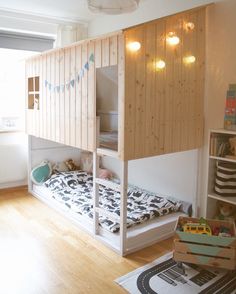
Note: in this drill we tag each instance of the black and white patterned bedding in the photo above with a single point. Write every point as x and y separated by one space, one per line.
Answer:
74 190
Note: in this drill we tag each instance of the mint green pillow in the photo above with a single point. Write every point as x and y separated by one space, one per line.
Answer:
41 172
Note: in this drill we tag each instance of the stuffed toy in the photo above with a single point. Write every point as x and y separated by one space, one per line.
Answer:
104 173
71 164
226 211
60 167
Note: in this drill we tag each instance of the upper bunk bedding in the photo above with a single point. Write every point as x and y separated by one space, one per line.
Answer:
74 190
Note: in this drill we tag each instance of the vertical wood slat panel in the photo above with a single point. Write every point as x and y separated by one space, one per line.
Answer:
32 112
140 96
57 96
53 95
105 52
200 76
121 96
84 137
48 96
67 96
91 100
41 86
158 129
72 96
62 96
36 111
130 93
189 70
78 89
98 53
177 123
44 96
150 45
113 50
177 90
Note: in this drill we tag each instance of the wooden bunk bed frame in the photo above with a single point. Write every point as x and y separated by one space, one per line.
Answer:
160 110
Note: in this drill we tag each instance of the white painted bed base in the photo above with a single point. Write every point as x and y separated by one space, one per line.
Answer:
128 240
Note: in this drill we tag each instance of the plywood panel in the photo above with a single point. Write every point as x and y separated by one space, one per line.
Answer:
67 96
72 96
78 89
91 98
41 86
62 96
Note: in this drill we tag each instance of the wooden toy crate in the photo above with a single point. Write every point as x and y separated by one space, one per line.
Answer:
205 249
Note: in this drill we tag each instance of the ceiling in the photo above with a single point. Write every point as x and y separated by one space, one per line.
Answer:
67 10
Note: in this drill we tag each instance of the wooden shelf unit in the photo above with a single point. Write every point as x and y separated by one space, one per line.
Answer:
216 138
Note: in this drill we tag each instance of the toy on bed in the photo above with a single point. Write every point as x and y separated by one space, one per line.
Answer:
71 165
225 211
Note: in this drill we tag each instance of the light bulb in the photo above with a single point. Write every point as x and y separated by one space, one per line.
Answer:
172 39
134 46
189 26
160 64
189 59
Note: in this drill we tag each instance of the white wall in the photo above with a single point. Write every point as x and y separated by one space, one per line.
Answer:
13 158
220 72
148 10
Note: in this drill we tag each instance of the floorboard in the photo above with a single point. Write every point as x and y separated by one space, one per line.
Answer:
43 252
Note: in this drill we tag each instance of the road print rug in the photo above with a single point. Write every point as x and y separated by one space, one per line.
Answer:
164 276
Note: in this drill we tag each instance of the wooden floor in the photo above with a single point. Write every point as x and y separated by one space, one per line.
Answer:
42 252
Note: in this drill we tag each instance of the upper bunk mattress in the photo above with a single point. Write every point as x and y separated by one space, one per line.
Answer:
109 140
74 189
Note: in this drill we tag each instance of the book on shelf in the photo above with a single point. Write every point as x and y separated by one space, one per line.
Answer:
219 145
230 108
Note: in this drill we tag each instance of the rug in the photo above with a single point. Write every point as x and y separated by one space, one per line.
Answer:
164 276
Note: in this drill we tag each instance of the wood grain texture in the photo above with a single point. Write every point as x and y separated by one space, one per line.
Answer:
160 111
164 108
64 259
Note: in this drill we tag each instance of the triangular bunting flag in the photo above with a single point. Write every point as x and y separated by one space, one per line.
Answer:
62 88
86 66
91 57
67 86
58 89
81 74
78 78
50 87
72 82
45 83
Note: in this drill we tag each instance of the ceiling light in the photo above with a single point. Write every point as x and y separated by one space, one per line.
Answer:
172 39
112 7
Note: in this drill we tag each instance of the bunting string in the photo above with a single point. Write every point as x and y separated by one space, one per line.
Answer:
78 76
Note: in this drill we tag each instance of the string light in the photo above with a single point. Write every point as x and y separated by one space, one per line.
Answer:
172 39
189 26
160 64
189 59
134 46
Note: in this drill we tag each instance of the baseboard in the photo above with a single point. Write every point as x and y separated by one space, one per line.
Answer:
13 184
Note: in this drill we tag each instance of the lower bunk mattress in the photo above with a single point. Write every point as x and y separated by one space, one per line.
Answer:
74 191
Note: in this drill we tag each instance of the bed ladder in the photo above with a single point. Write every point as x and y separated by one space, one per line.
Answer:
122 188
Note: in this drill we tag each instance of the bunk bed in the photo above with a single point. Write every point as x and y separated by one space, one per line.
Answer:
131 94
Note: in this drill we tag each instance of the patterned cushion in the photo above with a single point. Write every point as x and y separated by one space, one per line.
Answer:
41 172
